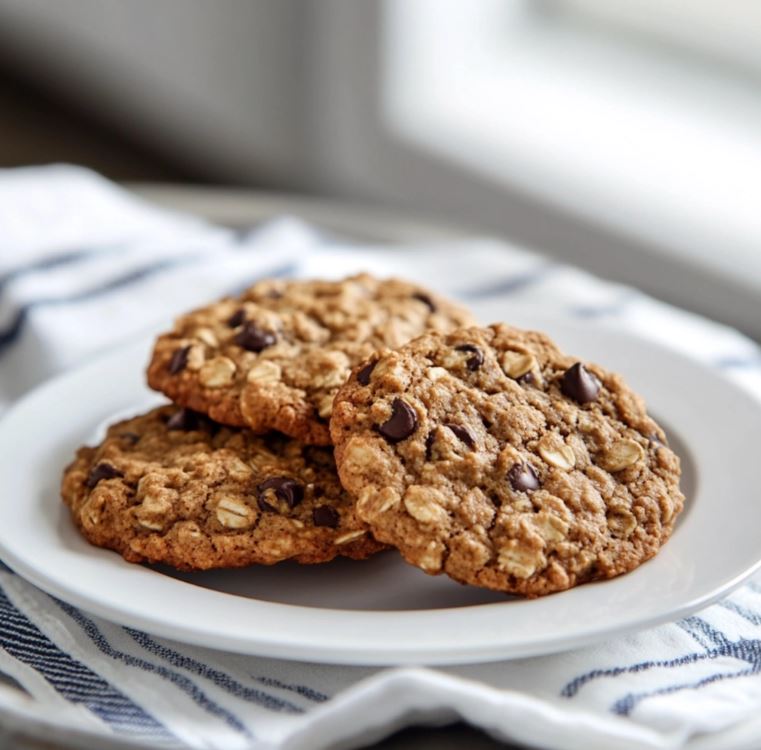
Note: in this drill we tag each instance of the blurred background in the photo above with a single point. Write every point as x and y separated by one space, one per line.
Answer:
623 137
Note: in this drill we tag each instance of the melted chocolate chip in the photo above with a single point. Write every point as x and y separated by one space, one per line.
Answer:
102 471
324 515
238 318
184 419
426 300
286 490
401 424
363 376
474 362
254 339
580 384
523 478
463 434
526 379
264 506
179 360
429 441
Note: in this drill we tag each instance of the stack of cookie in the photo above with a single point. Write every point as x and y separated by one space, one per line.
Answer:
313 419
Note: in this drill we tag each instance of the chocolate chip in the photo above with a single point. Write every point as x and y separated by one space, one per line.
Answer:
264 506
426 300
429 441
324 515
130 437
238 318
487 423
286 490
526 379
463 434
184 419
363 376
401 424
179 360
523 478
580 384
254 339
474 362
102 471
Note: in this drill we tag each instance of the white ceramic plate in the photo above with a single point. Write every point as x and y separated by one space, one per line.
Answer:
383 611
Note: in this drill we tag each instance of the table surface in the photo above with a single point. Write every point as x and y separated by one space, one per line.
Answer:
243 208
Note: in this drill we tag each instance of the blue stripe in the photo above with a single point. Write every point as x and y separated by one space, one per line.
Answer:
129 716
698 637
617 307
572 688
624 706
12 332
70 257
511 284
738 363
303 690
700 625
743 650
64 674
35 649
178 680
746 614
89 689
52 261
220 679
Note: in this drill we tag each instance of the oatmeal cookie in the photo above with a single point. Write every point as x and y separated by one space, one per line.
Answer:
171 486
274 357
489 455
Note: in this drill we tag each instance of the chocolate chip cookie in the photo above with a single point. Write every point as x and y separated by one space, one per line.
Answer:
489 455
274 357
173 487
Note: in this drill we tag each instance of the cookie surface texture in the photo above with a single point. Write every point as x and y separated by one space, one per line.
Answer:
274 357
489 455
171 486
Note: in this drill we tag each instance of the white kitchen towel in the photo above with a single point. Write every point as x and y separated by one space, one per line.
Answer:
84 265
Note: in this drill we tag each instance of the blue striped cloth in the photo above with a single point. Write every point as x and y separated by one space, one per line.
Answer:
84 265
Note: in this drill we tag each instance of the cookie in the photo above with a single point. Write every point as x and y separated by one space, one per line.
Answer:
172 487
489 455
274 357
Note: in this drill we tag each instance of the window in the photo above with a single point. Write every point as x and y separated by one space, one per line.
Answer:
619 113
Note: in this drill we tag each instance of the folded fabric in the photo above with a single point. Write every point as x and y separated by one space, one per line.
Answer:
84 266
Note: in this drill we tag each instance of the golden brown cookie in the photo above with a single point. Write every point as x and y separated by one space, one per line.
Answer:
171 486
489 455
274 357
